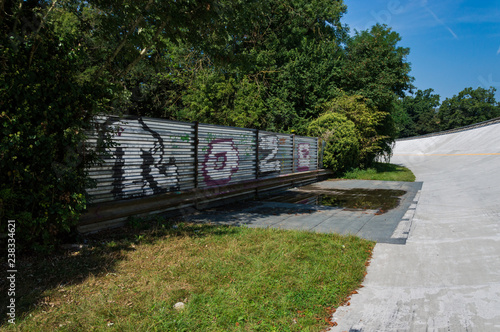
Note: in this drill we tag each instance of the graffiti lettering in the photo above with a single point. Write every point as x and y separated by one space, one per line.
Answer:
149 157
268 145
304 158
156 173
221 162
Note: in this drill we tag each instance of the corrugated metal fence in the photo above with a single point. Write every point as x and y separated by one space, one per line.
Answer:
154 156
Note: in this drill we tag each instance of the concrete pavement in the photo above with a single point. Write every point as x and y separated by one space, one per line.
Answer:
378 222
447 276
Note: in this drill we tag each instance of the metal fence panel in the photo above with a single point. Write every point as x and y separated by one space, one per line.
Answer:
305 154
151 156
275 154
154 156
226 155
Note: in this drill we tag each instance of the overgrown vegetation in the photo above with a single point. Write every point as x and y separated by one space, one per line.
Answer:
349 127
381 171
46 106
268 64
230 279
422 113
280 66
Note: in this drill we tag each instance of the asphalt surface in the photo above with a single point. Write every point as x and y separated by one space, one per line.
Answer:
364 210
447 275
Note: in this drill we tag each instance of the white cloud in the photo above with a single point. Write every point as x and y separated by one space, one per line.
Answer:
438 20
451 31
498 52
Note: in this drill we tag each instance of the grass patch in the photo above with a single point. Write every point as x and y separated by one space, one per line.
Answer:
382 171
230 279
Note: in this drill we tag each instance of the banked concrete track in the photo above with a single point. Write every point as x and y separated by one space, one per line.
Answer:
447 276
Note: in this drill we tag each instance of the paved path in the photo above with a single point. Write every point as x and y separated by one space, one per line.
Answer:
391 226
447 276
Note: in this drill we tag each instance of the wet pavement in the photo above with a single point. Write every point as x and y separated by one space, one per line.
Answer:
381 211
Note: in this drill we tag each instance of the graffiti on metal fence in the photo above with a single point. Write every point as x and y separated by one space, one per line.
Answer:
158 171
268 146
221 162
153 156
304 157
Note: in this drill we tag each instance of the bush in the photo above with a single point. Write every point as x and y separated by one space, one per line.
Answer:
45 111
369 124
342 144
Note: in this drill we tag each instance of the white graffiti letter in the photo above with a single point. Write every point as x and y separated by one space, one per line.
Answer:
269 145
304 158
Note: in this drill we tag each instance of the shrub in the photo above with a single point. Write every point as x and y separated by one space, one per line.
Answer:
369 125
342 144
45 111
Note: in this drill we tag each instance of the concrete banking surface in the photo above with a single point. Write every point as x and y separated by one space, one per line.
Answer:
447 276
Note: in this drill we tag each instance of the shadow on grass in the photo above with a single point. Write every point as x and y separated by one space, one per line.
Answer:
386 167
97 255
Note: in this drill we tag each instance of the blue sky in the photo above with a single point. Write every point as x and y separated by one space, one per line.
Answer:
453 44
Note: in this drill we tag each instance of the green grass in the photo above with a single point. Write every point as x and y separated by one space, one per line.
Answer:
230 278
382 171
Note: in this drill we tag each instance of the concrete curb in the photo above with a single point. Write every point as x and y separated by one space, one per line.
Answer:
403 230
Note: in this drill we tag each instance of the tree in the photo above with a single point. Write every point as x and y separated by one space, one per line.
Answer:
367 120
376 68
297 48
219 99
46 106
306 81
422 111
405 126
65 61
279 69
468 107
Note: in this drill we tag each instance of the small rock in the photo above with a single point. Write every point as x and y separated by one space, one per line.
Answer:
179 306
73 246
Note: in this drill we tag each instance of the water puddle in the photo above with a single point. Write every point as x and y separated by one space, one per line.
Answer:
381 200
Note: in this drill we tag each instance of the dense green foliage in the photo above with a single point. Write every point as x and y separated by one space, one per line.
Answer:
349 127
468 107
46 106
376 68
422 113
280 66
368 120
63 62
279 69
342 140
279 76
